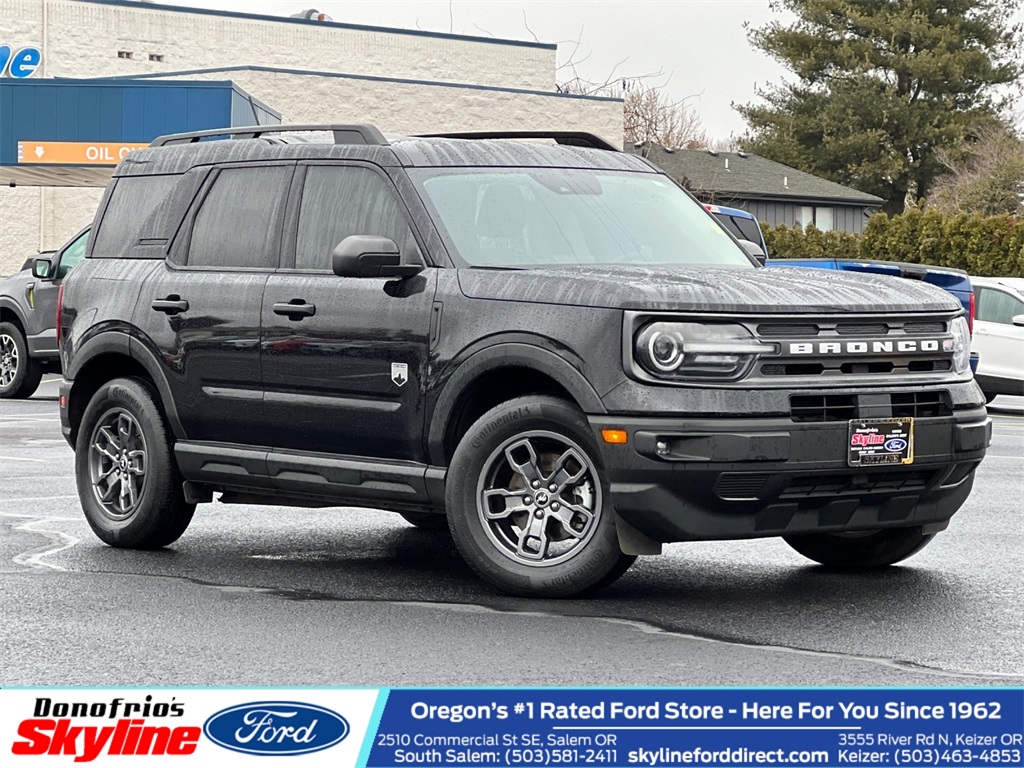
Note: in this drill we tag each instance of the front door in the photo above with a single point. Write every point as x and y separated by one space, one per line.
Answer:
998 342
344 359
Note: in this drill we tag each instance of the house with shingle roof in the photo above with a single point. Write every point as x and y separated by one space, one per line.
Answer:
772 192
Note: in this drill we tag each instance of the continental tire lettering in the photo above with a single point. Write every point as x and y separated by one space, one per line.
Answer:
125 394
493 426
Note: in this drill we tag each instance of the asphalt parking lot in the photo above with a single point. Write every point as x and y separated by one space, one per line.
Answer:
265 595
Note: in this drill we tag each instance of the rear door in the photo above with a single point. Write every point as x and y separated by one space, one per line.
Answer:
997 340
200 311
346 376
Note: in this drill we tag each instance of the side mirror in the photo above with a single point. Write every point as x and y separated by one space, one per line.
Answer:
1018 320
754 251
41 268
370 256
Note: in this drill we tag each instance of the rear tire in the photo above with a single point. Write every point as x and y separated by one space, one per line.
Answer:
128 481
528 502
428 521
19 373
857 551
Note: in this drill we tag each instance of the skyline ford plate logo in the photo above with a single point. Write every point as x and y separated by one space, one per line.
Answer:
895 444
276 728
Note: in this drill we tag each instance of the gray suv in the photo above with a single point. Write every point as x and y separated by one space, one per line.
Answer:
28 309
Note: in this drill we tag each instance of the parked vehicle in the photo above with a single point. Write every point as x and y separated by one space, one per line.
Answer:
999 335
28 308
550 348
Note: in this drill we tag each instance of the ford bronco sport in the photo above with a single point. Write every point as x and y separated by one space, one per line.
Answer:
551 348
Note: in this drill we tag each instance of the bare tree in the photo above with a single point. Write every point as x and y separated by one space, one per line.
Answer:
985 174
650 116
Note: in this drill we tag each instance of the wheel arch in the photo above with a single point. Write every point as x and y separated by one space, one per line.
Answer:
494 375
110 356
10 312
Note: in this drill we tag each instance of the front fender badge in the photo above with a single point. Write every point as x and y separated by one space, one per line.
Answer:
399 373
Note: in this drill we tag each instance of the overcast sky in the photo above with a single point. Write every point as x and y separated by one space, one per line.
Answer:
700 45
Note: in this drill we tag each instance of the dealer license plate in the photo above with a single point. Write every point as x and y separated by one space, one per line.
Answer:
876 442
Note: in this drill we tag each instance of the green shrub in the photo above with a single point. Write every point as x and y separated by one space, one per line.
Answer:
990 245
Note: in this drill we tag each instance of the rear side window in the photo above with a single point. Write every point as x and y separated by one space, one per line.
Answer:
239 220
997 306
338 201
744 229
132 200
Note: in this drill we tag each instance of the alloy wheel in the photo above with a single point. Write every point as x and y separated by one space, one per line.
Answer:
8 360
117 463
539 498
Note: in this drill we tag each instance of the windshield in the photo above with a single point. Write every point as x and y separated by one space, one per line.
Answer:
543 217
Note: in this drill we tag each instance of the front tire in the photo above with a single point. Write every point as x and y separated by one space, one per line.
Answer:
128 480
19 373
529 504
861 550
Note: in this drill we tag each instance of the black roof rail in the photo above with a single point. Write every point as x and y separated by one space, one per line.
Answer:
359 133
569 138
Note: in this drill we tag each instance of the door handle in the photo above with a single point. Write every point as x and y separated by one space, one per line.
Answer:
296 309
172 305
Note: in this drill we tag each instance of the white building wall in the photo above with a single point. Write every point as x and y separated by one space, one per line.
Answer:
40 219
82 39
420 107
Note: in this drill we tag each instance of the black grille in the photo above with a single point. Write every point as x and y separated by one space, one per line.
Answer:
918 366
924 328
862 329
786 330
856 482
740 485
792 369
867 367
918 405
823 407
915 405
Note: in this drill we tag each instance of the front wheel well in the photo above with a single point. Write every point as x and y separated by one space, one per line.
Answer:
95 374
493 388
10 316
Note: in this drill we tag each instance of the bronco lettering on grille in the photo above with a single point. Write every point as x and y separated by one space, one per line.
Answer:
869 347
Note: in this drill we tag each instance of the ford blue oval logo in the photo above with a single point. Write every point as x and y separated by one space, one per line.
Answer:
895 444
276 728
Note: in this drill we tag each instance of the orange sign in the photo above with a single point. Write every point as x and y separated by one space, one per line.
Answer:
73 152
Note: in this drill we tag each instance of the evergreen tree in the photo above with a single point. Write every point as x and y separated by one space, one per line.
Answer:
881 85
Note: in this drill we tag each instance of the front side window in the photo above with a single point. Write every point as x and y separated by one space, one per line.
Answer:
238 222
338 201
543 217
72 254
996 306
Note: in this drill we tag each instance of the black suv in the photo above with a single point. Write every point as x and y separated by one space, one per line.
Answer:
551 348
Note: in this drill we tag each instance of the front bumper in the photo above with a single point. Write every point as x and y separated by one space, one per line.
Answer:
738 478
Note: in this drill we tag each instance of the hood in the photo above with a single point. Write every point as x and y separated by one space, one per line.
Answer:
708 289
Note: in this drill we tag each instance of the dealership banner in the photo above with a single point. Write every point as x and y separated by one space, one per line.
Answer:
379 728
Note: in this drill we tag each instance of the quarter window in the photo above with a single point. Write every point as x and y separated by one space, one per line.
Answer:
997 306
238 222
338 201
132 200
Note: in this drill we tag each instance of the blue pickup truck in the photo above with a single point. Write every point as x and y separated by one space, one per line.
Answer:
744 226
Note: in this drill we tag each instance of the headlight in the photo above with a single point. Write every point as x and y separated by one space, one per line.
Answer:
961 345
681 351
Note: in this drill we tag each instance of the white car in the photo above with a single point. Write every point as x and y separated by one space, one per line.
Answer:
999 334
